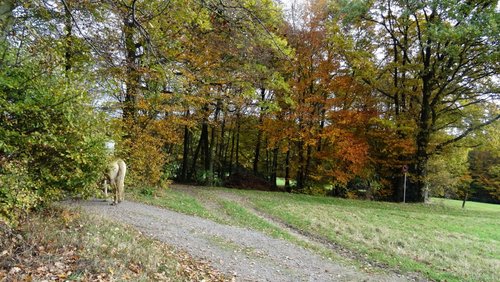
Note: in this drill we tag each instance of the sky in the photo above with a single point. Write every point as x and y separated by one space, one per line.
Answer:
288 3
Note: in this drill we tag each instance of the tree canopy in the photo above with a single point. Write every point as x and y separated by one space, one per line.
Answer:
334 97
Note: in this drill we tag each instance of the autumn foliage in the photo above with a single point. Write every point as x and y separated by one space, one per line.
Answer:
334 97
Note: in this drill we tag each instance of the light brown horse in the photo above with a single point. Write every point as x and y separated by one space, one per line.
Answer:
115 176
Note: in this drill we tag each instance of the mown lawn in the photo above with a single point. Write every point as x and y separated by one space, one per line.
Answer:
440 240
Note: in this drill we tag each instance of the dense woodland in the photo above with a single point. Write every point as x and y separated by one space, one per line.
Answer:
333 97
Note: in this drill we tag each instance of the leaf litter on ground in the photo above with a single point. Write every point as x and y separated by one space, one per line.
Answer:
54 246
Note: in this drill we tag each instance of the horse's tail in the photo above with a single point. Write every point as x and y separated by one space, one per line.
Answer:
120 177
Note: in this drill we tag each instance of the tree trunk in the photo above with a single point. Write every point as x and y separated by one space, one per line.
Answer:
213 141
274 168
69 45
301 168
185 152
221 155
132 76
416 191
195 158
267 173
231 155
257 150
396 84
308 165
238 125
205 145
288 187
259 134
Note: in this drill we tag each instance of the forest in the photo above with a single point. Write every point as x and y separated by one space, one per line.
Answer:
375 100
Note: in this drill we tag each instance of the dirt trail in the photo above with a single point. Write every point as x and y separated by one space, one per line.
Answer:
243 254
311 239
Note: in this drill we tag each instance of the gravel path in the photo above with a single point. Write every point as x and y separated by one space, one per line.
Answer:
244 254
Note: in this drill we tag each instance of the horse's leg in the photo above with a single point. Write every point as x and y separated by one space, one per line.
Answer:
117 196
120 181
119 187
115 201
119 193
122 192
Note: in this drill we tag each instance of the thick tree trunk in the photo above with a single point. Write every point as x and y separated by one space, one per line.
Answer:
419 170
416 186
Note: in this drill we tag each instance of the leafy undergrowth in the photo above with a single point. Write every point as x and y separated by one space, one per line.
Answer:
61 244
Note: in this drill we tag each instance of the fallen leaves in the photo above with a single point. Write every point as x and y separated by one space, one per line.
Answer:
51 247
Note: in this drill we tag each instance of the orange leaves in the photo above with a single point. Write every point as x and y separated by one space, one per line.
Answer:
344 155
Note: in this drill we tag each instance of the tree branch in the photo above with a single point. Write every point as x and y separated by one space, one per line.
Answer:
464 134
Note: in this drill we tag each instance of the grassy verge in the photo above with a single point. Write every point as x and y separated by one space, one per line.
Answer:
62 244
173 200
228 212
242 217
441 241
222 211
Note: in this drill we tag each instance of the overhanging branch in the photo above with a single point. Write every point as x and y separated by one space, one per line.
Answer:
465 134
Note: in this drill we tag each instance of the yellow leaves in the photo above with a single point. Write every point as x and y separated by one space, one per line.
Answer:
145 158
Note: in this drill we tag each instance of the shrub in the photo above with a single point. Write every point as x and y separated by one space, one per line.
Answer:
145 159
17 192
52 141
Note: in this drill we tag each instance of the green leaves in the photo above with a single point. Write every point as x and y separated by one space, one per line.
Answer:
51 140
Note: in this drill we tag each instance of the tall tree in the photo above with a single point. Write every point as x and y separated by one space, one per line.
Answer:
436 63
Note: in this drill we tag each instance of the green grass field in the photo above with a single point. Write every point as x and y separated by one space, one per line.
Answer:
440 240
469 206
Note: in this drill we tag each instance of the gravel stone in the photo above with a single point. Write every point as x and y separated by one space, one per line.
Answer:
245 254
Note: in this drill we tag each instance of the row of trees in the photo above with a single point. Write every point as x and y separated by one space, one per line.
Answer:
330 94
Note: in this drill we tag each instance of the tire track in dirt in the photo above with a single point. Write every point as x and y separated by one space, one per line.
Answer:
301 235
245 254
